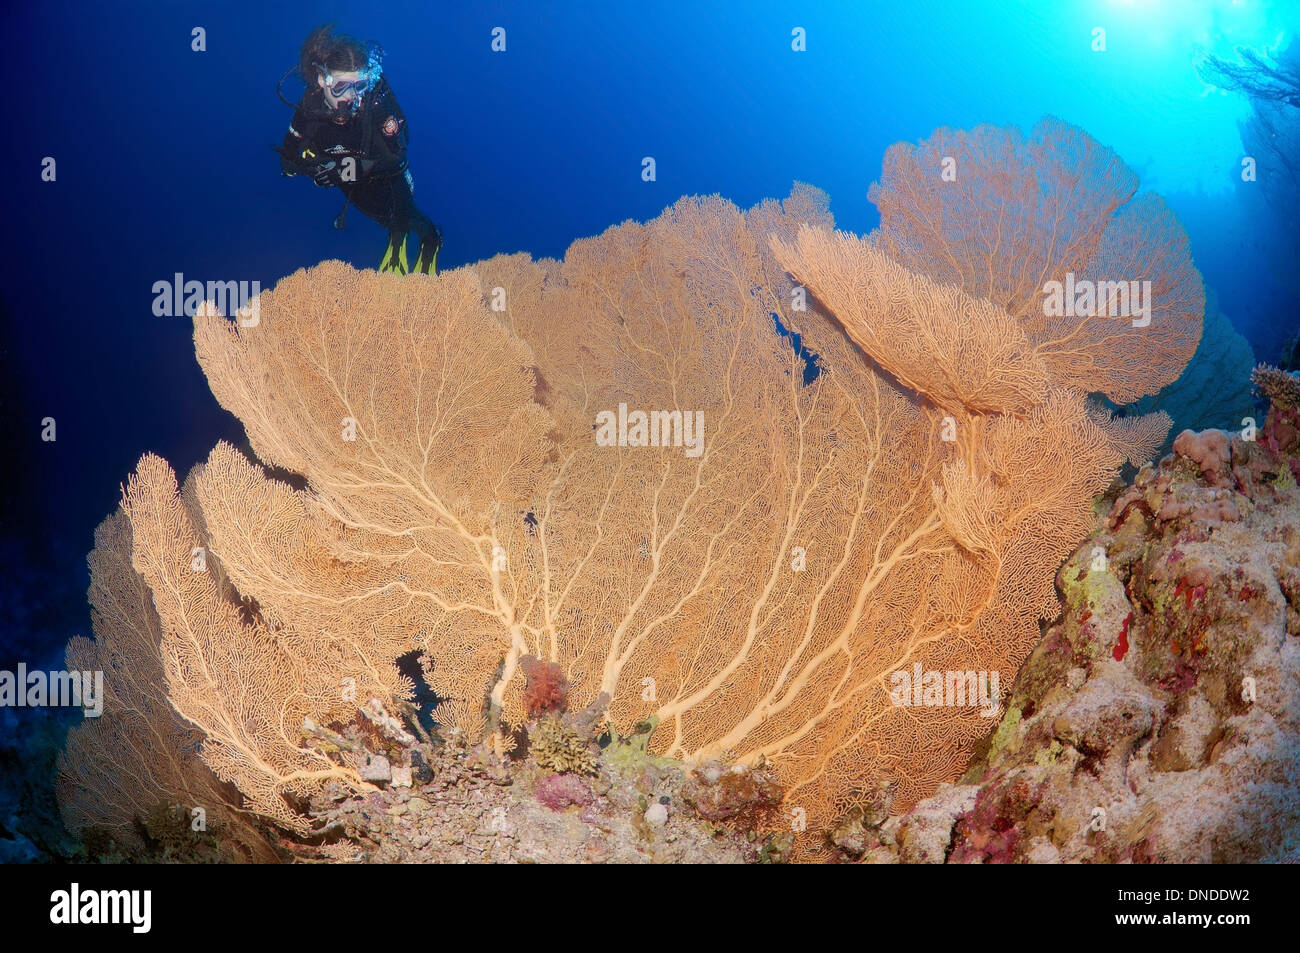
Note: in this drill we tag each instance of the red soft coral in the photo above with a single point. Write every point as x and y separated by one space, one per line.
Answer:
546 689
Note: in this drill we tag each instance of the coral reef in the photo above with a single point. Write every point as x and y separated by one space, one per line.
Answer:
745 579
473 807
1159 718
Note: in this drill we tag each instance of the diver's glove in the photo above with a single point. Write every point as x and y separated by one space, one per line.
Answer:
324 174
290 163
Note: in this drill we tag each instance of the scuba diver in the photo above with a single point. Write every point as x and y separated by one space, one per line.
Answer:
349 133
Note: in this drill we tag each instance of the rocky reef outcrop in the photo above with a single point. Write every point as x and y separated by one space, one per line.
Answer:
1159 718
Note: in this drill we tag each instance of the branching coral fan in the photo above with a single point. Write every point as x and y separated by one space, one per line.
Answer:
139 754
908 505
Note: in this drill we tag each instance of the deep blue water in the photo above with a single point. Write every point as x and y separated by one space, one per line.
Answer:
164 166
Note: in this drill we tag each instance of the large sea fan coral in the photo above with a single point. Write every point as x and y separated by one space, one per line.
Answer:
1015 213
749 579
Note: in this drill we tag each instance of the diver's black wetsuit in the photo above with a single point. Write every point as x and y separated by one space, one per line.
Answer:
376 136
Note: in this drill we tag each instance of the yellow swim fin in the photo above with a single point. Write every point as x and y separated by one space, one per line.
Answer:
394 259
427 263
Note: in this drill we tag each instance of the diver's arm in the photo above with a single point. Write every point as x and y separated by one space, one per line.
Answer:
299 157
297 152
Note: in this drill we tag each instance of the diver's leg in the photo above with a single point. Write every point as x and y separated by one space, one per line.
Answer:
375 201
412 219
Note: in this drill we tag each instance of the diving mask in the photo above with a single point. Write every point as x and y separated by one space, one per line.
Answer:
339 87
344 91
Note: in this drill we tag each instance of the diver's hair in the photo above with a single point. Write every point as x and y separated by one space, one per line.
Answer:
338 52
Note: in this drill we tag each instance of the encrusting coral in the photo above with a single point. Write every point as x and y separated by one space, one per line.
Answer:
749 555
561 791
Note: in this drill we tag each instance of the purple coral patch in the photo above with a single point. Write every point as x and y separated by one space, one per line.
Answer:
561 791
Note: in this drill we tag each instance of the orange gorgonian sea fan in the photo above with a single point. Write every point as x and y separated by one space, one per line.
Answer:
907 506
